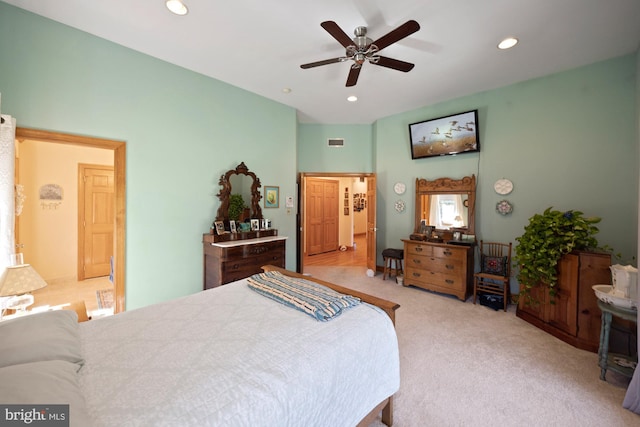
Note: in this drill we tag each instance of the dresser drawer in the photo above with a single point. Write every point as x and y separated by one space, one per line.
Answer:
440 279
452 265
252 250
449 253
418 249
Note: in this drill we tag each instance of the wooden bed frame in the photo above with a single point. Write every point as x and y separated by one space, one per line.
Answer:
389 307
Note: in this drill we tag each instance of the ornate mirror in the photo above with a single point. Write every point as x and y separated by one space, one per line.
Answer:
446 204
242 182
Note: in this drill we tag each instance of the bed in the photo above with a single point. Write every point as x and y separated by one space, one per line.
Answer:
230 356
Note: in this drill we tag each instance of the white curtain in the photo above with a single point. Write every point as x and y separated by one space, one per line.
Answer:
7 193
456 216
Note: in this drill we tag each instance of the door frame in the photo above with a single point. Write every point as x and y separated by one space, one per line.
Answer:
301 207
119 167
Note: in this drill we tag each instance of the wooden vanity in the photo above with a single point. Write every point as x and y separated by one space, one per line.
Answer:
225 262
229 254
442 260
439 267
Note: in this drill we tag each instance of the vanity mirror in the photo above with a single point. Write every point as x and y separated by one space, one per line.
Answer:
448 205
243 182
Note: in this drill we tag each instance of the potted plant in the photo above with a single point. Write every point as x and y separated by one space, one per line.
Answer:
236 206
546 238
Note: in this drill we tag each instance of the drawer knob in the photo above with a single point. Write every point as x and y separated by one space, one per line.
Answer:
447 252
418 248
449 281
416 261
449 267
416 274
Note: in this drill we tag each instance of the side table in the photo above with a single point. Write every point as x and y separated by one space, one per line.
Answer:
616 362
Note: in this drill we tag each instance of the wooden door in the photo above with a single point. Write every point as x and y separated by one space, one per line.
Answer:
331 226
321 211
371 223
96 215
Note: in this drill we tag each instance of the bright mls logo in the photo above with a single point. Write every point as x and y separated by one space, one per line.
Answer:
34 415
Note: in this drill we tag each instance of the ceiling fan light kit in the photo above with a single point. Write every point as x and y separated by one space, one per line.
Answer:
362 49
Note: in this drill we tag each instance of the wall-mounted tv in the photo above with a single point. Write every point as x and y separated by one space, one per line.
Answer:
445 136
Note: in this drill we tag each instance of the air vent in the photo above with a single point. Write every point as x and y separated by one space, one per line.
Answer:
335 142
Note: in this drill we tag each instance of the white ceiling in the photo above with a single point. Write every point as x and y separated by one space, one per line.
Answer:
258 45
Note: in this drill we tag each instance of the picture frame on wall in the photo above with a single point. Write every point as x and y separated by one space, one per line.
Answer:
271 196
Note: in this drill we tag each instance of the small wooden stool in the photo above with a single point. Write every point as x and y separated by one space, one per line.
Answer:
392 255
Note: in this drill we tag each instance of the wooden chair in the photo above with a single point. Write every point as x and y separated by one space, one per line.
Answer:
495 271
80 308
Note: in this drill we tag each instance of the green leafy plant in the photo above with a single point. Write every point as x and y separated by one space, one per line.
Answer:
546 238
236 206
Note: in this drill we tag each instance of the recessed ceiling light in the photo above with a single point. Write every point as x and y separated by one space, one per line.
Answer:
352 98
286 90
508 43
177 7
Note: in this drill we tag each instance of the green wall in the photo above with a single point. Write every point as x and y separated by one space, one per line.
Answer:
568 140
314 155
182 131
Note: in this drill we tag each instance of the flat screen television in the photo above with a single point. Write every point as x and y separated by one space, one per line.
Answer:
445 136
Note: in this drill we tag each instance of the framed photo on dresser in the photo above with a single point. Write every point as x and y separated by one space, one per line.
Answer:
219 227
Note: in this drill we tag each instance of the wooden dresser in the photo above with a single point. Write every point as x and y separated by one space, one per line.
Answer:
574 316
225 262
439 267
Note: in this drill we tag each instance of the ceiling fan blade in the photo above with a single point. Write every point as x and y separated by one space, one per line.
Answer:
396 64
319 63
399 33
337 33
352 79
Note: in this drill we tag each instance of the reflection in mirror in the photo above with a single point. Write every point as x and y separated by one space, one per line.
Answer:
241 184
244 182
446 204
445 211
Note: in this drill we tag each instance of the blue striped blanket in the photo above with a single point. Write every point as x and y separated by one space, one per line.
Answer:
317 301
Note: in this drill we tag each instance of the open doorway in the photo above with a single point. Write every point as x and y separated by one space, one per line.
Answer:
337 220
119 207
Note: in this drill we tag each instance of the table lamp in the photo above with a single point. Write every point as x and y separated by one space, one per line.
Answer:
17 281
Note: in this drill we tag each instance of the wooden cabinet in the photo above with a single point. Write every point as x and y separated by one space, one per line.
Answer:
439 267
575 316
225 262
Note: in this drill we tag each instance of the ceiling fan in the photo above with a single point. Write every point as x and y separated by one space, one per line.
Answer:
362 48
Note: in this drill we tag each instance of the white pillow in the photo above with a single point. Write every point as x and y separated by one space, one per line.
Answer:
45 383
51 335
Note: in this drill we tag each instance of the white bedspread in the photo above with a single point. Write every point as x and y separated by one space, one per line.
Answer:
231 357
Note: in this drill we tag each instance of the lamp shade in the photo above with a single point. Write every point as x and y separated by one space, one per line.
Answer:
20 279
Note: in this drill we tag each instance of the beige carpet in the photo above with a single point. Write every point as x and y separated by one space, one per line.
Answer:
467 365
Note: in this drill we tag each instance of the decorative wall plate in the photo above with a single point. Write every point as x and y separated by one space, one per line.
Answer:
399 188
503 186
504 207
400 206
